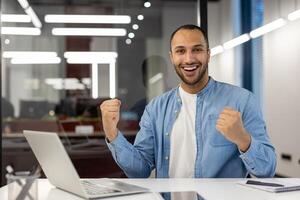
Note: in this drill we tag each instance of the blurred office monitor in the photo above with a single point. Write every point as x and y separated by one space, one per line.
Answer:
30 109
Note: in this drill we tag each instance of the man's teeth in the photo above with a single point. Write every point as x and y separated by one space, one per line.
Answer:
190 68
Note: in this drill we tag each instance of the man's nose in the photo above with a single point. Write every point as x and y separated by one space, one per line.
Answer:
189 57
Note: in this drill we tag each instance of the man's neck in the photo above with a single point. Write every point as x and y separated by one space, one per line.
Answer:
194 89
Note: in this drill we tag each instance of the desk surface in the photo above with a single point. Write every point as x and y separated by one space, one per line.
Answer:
211 189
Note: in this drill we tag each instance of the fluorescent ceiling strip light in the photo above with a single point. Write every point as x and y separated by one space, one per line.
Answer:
24 4
15 18
90 54
89 31
35 20
236 41
155 78
54 60
112 79
89 60
89 19
267 28
95 80
216 50
26 54
294 15
20 31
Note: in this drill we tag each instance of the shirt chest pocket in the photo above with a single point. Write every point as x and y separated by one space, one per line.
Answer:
215 138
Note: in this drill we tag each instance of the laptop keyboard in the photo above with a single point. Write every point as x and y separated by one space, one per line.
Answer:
93 189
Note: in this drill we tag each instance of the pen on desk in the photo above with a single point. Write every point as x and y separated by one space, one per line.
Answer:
251 182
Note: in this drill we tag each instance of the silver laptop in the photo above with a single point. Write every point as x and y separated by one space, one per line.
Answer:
60 171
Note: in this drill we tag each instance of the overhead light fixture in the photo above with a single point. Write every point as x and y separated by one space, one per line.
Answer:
128 41
6 41
24 4
147 4
20 31
95 83
135 27
91 54
236 41
90 19
140 17
15 18
53 60
89 31
216 50
267 28
35 20
131 35
28 54
294 15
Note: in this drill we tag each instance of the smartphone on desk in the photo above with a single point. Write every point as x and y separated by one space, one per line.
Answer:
186 195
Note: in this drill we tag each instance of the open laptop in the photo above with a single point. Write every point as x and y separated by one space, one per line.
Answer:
60 171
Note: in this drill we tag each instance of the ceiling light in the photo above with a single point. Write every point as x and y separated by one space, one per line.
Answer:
236 41
294 15
30 54
140 17
90 54
91 19
128 41
35 20
135 27
216 50
6 41
53 60
90 31
24 4
15 18
267 28
20 31
131 35
147 4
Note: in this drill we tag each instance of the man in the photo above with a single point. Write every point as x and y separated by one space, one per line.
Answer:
202 128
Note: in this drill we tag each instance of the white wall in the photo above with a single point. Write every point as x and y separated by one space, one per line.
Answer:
281 85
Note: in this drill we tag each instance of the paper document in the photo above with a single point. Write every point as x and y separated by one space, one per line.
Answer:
273 185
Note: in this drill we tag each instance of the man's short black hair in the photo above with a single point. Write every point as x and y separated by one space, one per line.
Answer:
190 27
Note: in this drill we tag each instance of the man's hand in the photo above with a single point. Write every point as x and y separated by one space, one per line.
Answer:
231 126
110 110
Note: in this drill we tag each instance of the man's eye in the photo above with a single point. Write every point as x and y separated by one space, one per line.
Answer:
198 50
180 51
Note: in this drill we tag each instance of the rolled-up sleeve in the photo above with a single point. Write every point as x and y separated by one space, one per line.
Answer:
136 160
260 158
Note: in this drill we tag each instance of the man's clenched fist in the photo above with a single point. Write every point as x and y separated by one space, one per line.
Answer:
110 110
230 124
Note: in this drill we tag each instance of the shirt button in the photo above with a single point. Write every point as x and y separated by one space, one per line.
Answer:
175 111
167 157
167 134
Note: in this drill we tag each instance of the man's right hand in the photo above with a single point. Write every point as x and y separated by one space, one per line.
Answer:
110 110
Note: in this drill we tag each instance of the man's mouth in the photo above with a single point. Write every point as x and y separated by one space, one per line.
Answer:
189 68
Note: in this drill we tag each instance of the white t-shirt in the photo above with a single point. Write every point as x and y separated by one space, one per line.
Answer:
183 146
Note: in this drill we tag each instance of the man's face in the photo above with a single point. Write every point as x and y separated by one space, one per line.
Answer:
190 56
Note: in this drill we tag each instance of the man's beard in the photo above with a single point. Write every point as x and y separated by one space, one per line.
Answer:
199 78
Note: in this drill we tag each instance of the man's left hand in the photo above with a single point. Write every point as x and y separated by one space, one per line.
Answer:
230 124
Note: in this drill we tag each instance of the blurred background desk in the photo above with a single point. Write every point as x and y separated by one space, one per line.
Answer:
209 189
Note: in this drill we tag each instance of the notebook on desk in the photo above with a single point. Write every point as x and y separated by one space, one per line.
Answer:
60 171
273 185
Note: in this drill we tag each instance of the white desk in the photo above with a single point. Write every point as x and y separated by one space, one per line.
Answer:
211 189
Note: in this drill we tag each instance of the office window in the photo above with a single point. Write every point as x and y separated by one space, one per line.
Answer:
61 59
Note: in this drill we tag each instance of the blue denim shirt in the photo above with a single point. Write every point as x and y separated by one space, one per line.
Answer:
216 156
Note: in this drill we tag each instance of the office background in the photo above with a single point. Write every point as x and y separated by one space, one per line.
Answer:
62 90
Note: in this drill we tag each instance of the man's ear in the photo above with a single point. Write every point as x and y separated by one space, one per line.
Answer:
208 56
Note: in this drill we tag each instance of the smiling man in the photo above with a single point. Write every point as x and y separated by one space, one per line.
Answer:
202 128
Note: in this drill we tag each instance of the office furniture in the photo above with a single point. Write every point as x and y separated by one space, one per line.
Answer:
211 189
